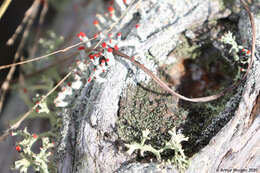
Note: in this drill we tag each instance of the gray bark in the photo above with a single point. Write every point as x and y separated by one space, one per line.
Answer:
89 138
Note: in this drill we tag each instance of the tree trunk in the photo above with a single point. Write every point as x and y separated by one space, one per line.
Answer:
89 141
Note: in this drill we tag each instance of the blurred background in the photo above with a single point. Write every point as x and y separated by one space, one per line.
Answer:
36 17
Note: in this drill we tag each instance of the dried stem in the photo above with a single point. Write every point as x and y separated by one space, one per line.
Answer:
5 85
39 28
4 7
18 123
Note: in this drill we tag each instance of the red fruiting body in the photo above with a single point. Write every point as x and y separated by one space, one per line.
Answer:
107 60
137 26
110 50
96 35
35 136
110 9
125 1
248 52
81 34
94 69
119 34
81 48
89 79
109 35
24 90
37 110
110 41
18 148
103 61
116 47
97 55
91 56
243 50
104 45
38 102
95 22
69 84
103 71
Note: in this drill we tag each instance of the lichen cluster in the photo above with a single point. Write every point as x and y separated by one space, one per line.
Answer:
38 161
178 159
142 108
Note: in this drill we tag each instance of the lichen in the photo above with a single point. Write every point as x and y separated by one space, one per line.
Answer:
142 108
179 160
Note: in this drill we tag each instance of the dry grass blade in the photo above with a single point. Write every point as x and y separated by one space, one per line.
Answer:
164 86
252 21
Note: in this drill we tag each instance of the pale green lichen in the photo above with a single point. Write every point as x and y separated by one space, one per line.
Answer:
144 109
38 161
179 159
51 42
228 38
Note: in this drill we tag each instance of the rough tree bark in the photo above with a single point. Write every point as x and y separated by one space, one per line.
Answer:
88 141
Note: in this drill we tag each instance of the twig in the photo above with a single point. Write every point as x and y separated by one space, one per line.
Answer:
20 27
5 85
18 123
4 7
44 56
39 27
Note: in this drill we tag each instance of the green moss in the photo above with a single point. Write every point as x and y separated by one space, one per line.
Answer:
186 49
217 75
143 108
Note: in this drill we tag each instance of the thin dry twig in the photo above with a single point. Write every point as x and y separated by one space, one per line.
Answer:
39 28
20 27
4 7
5 85
18 123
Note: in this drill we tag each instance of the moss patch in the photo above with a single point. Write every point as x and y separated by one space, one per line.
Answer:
142 108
